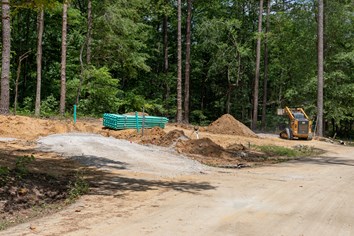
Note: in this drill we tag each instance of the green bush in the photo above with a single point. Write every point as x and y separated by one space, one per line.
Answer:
27 105
78 187
49 106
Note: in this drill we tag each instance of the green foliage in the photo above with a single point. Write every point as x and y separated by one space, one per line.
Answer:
278 151
99 92
4 174
27 105
199 117
120 26
21 166
127 67
297 151
49 106
78 187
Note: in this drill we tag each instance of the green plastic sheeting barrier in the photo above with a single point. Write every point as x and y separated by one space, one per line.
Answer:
119 122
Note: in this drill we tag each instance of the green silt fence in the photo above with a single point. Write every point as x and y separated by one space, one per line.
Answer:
120 122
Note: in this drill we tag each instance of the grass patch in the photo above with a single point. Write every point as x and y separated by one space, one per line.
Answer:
272 150
297 151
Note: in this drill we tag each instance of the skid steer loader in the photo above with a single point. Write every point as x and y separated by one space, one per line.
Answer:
299 124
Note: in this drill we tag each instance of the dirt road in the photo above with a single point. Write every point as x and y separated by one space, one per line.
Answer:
312 196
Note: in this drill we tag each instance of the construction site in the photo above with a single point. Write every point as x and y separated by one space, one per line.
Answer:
83 178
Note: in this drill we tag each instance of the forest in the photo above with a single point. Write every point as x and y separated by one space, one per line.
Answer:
191 61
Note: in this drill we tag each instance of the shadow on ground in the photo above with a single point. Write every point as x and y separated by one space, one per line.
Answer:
108 184
99 162
92 169
327 161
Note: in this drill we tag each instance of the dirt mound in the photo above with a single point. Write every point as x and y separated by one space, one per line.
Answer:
151 136
204 146
227 124
207 152
236 147
30 128
172 137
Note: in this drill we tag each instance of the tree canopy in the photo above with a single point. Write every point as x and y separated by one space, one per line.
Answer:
132 40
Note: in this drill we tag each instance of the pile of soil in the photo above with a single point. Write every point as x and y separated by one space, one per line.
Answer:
151 136
227 124
30 128
204 146
171 138
207 152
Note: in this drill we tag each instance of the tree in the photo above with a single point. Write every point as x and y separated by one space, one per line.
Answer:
88 50
320 72
20 59
179 63
40 27
89 32
265 81
188 62
63 59
5 66
165 54
258 62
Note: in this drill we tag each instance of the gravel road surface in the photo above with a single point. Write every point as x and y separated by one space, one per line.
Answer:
111 153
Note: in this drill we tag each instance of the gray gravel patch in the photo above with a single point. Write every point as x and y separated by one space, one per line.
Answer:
7 139
110 153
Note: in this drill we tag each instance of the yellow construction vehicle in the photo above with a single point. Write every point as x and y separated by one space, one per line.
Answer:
299 124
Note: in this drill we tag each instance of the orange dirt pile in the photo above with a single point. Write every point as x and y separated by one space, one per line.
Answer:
30 128
207 152
227 124
151 136
172 137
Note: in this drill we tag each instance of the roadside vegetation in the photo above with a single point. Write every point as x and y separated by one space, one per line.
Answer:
28 189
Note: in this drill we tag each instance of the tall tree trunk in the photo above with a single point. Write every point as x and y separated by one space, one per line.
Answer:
88 49
89 32
188 62
165 61
320 70
40 27
63 59
81 75
179 64
165 43
258 62
265 81
5 65
230 88
22 57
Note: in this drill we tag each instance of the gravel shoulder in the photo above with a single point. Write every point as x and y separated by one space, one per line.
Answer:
110 153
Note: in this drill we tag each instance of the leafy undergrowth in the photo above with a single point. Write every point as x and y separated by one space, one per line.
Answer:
280 153
26 193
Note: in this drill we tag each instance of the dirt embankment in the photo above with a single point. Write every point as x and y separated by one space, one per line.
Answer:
204 150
